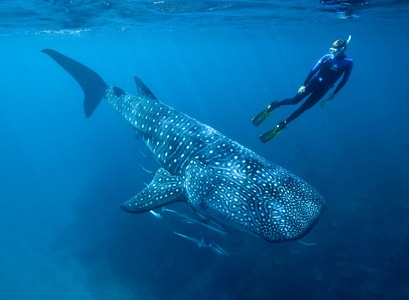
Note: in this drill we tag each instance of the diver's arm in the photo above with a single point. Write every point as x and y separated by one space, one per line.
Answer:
307 80
339 86
325 102
342 82
345 78
332 95
309 77
312 72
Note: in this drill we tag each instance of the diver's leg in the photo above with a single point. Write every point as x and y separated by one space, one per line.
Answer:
262 116
310 102
292 101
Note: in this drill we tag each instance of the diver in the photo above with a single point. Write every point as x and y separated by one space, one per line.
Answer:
319 81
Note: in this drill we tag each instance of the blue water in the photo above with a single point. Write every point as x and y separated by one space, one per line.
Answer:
63 177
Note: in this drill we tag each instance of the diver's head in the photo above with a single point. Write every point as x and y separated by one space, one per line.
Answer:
338 48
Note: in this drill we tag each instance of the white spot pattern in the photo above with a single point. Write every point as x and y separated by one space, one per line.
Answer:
216 175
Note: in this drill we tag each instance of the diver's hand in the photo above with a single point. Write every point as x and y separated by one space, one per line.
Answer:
301 90
325 102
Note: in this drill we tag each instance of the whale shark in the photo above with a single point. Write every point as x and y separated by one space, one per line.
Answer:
215 176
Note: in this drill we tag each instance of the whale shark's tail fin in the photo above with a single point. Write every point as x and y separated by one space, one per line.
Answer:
91 83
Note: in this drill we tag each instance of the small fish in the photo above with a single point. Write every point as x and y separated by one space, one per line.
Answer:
156 215
306 244
209 224
200 243
217 249
143 154
146 170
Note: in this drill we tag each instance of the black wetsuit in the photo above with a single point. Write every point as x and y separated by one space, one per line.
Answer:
317 84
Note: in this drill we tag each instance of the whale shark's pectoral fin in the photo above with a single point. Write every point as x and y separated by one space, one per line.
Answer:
164 189
143 90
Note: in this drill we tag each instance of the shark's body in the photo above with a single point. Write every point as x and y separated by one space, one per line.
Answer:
213 174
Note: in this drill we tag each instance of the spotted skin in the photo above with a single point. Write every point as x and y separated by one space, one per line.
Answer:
218 176
211 173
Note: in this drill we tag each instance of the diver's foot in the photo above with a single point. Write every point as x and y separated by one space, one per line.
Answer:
273 133
261 117
273 105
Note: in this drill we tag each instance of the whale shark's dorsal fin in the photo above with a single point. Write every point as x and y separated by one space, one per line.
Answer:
91 83
164 189
143 90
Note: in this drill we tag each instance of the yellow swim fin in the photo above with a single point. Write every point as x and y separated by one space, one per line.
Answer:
273 133
261 117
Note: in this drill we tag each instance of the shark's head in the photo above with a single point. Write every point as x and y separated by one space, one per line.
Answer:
256 196
287 206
